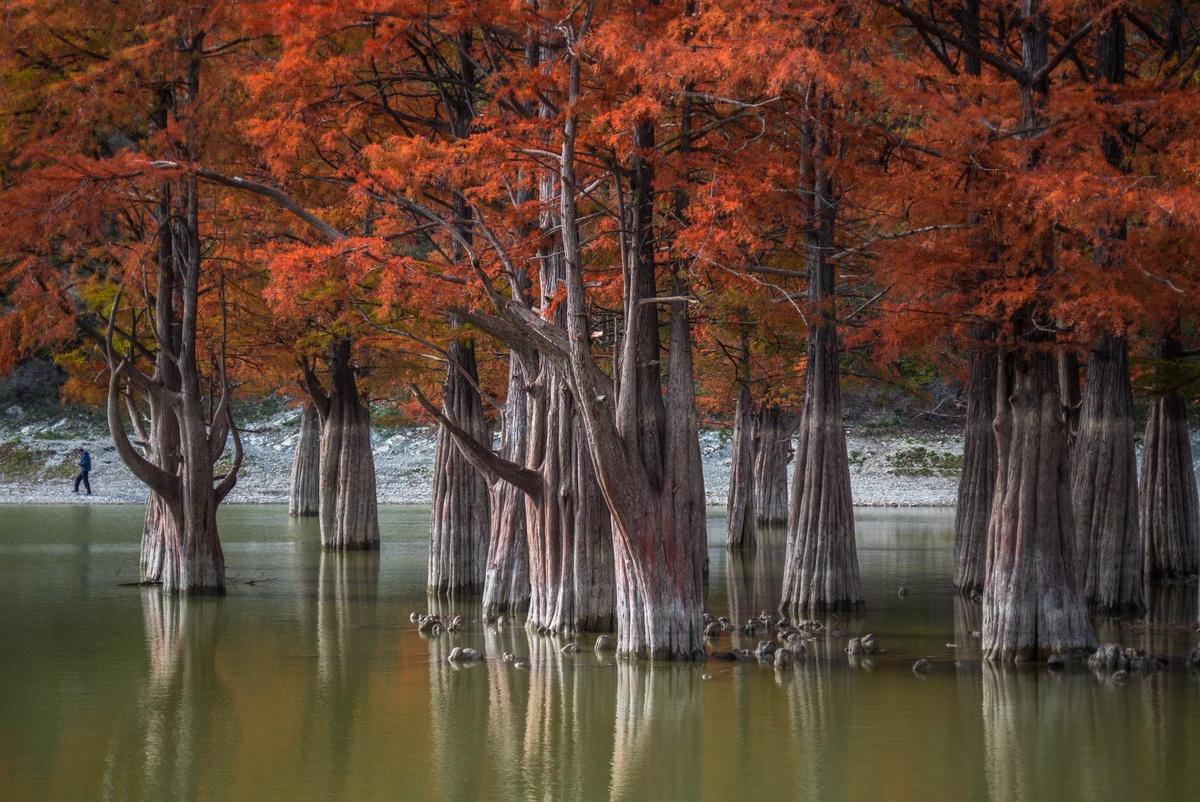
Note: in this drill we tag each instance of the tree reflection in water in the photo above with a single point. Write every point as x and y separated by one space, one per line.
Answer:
347 600
185 713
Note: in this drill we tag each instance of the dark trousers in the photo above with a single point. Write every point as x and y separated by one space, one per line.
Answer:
83 477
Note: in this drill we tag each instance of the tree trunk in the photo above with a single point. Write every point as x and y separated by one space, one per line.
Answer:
570 529
506 579
821 572
460 521
978 482
1169 511
304 497
1032 600
1104 483
1069 392
349 510
162 439
192 559
772 449
644 458
740 515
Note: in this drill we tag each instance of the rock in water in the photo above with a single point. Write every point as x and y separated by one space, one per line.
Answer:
606 643
570 648
463 655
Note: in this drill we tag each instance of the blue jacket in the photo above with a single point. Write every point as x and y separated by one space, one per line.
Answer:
85 462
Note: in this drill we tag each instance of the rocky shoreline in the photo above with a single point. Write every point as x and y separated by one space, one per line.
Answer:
889 467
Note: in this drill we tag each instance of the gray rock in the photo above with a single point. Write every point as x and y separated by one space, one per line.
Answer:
463 655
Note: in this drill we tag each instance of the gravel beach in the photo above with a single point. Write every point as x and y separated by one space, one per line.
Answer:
889 466
37 462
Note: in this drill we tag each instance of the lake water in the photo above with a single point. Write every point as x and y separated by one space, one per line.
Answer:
312 684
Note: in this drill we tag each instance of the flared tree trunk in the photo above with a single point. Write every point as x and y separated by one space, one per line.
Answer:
772 449
1169 512
506 579
644 449
349 507
192 560
978 482
1104 492
304 495
821 572
460 524
741 520
570 529
162 439
1033 602
163 450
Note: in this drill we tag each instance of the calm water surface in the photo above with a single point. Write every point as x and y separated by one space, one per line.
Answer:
312 684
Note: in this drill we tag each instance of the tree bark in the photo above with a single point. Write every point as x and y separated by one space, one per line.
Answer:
570 529
978 482
1033 603
1104 483
1169 511
162 447
821 572
349 508
304 496
772 450
741 520
1069 393
460 518
506 578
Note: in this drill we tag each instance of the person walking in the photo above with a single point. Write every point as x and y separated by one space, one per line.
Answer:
85 467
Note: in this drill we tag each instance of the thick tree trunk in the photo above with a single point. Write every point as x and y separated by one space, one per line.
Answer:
570 529
304 496
162 448
349 510
1069 392
1169 512
1033 604
460 522
821 572
159 526
506 579
741 520
772 450
1104 483
978 482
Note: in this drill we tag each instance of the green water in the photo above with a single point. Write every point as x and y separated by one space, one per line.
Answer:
312 684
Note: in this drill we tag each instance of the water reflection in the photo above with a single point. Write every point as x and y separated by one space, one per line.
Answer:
1029 714
316 685
181 739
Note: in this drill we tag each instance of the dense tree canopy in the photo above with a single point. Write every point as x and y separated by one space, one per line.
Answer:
648 210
